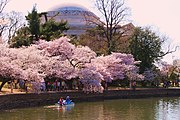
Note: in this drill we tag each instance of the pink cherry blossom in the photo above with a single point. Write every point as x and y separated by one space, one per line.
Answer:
61 59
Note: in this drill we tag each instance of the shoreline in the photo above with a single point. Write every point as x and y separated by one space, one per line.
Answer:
25 100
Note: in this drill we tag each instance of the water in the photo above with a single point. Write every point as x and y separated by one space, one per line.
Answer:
124 109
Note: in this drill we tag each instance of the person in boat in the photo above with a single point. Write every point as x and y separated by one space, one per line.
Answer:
68 101
60 101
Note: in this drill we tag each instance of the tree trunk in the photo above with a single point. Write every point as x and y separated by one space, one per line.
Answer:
2 84
109 47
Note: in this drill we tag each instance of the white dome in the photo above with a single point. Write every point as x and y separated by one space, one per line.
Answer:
70 8
73 10
75 16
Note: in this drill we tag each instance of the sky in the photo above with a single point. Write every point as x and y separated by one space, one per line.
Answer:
162 15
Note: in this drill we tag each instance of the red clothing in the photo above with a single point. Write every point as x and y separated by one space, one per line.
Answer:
61 101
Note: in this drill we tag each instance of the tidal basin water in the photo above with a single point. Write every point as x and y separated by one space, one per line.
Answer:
122 109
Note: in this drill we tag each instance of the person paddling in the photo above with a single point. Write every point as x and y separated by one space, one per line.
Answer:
68 101
61 101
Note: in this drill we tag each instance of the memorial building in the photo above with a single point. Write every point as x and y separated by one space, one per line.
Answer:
79 18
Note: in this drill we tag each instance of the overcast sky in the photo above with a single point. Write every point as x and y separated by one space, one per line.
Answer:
163 15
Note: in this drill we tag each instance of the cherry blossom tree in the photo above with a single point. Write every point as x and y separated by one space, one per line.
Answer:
69 61
8 71
91 79
168 72
66 59
116 66
165 67
108 68
149 75
61 59
60 69
20 64
64 50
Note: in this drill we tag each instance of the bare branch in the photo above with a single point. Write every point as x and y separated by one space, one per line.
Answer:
15 21
114 12
169 51
3 3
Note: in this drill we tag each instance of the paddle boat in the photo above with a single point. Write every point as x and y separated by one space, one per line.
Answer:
63 105
66 102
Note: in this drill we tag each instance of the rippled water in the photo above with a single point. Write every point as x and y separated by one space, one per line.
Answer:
124 109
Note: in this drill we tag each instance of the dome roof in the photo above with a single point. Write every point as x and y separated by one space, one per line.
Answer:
77 17
70 8
73 10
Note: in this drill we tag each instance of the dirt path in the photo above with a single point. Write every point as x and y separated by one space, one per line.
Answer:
8 91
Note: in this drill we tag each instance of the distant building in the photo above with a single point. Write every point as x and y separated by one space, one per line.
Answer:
77 17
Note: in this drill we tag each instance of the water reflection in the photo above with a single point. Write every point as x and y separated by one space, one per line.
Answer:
125 109
168 109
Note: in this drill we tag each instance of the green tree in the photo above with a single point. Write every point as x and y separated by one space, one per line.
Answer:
145 46
49 30
22 38
33 19
52 29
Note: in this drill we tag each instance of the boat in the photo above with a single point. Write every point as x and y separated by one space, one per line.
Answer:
71 103
64 107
